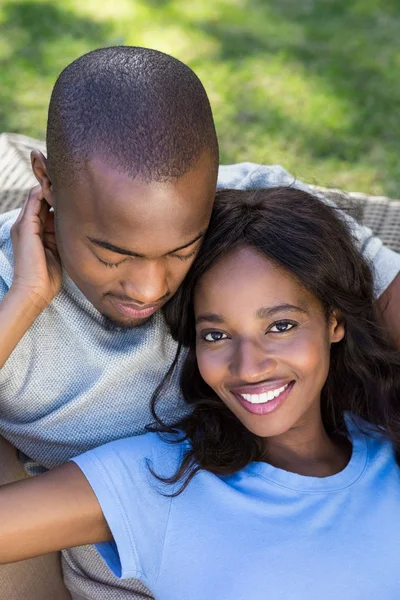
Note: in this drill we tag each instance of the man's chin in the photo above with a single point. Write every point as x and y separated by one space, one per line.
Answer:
112 323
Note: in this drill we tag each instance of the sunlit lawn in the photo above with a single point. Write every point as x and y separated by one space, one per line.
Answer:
311 84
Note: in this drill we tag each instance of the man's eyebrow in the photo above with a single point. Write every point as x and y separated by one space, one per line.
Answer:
261 313
198 237
119 250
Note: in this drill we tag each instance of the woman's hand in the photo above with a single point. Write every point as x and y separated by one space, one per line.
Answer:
37 266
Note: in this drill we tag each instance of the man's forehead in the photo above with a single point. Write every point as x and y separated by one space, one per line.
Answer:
142 234
146 222
103 186
136 215
101 172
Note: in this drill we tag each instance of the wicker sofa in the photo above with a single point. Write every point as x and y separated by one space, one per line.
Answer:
381 214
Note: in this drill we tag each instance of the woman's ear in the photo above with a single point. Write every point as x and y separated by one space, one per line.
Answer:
337 328
39 168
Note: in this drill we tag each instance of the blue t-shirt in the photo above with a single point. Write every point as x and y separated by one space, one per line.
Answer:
263 533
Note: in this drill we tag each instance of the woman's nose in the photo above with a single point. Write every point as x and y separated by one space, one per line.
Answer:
251 362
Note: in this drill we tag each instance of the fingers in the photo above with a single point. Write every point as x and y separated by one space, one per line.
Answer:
34 202
49 241
31 204
49 238
49 225
43 212
34 206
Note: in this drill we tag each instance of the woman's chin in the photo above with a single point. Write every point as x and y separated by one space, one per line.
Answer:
266 426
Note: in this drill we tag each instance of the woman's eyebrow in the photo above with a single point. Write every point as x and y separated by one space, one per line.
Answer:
209 318
263 313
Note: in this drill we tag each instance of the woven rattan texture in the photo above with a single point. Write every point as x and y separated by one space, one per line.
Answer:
381 214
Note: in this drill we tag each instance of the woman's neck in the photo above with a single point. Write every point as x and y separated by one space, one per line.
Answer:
308 450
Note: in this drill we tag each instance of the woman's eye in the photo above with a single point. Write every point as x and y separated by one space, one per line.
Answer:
215 336
282 327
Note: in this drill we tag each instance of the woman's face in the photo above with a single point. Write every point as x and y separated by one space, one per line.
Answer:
263 342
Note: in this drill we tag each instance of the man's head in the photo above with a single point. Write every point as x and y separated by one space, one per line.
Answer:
131 174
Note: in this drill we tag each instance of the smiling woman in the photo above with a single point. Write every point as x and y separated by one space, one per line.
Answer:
277 312
294 426
273 342
272 349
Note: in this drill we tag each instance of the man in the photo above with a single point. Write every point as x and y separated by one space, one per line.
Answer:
131 174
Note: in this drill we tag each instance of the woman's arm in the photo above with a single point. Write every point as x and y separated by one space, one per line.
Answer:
49 512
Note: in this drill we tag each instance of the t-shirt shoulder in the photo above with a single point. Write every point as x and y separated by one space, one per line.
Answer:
134 502
380 449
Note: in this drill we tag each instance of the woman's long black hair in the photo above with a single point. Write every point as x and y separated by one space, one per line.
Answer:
313 242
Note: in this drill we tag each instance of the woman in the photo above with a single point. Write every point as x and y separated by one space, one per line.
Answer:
282 481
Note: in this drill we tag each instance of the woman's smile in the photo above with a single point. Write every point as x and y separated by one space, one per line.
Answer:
263 399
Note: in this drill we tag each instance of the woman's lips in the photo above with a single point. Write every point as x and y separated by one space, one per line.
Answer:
262 387
258 402
135 312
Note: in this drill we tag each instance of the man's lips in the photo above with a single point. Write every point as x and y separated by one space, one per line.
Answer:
135 311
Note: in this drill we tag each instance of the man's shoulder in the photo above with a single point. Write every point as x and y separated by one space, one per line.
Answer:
248 175
6 253
7 220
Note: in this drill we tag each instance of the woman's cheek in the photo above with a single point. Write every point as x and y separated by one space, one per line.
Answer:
309 353
209 366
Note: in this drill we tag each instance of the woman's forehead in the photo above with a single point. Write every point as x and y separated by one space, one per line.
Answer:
248 279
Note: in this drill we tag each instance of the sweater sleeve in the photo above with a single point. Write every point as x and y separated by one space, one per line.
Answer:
6 252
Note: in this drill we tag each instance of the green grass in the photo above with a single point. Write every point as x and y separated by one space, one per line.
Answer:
311 84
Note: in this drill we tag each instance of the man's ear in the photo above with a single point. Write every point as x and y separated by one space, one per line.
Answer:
337 328
39 168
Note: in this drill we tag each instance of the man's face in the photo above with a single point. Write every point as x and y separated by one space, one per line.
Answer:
128 244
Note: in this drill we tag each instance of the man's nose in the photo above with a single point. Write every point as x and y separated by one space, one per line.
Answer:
251 361
146 282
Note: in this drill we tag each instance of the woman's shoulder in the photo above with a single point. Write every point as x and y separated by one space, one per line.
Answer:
160 453
152 444
122 476
360 427
380 448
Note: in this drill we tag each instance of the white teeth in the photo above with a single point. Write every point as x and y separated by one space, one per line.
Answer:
265 396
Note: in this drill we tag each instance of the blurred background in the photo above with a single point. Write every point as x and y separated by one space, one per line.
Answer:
313 85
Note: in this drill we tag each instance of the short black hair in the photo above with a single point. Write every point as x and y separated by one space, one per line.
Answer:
144 112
